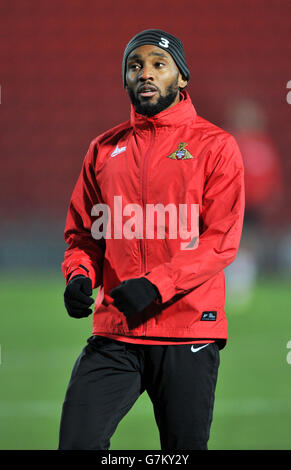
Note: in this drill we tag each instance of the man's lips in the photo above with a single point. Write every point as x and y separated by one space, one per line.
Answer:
147 94
147 91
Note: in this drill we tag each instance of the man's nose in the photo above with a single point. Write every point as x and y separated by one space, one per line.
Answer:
146 73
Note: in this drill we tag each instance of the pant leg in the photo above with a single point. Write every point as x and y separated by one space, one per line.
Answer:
181 385
104 384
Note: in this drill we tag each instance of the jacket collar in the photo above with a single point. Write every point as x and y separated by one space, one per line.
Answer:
182 113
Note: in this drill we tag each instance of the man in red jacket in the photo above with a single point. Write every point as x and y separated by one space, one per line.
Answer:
159 318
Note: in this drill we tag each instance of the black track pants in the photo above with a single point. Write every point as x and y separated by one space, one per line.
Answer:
109 376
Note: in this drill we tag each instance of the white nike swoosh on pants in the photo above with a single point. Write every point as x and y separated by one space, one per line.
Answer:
195 350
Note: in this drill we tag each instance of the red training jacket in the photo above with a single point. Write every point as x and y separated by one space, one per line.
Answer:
132 161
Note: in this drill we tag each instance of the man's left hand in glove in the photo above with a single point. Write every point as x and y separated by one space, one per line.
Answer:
134 295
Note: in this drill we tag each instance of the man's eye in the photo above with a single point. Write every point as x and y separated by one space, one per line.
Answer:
159 64
133 66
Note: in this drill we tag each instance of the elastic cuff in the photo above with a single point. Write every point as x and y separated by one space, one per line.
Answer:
161 279
79 270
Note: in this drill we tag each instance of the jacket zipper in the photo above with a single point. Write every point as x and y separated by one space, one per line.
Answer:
143 198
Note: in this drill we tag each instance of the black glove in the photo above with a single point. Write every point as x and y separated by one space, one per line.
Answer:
77 296
134 295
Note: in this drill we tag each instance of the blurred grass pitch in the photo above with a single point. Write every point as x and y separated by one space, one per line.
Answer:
40 343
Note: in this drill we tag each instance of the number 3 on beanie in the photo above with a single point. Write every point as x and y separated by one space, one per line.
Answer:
164 42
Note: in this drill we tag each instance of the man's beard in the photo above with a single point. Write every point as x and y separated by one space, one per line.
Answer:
149 109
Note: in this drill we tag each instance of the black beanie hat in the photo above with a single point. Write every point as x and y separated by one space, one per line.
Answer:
161 39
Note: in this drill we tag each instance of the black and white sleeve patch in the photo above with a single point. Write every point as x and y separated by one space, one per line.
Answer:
209 315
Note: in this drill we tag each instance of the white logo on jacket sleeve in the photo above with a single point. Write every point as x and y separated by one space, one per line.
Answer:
117 151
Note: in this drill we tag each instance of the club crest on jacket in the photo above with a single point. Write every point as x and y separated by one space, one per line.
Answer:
181 153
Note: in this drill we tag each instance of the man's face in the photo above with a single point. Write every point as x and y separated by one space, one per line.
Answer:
153 80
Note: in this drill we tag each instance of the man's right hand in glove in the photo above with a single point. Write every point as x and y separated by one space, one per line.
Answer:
77 296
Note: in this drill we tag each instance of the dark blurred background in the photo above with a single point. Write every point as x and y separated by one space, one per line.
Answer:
61 86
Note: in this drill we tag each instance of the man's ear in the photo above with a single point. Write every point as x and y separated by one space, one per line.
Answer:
182 83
